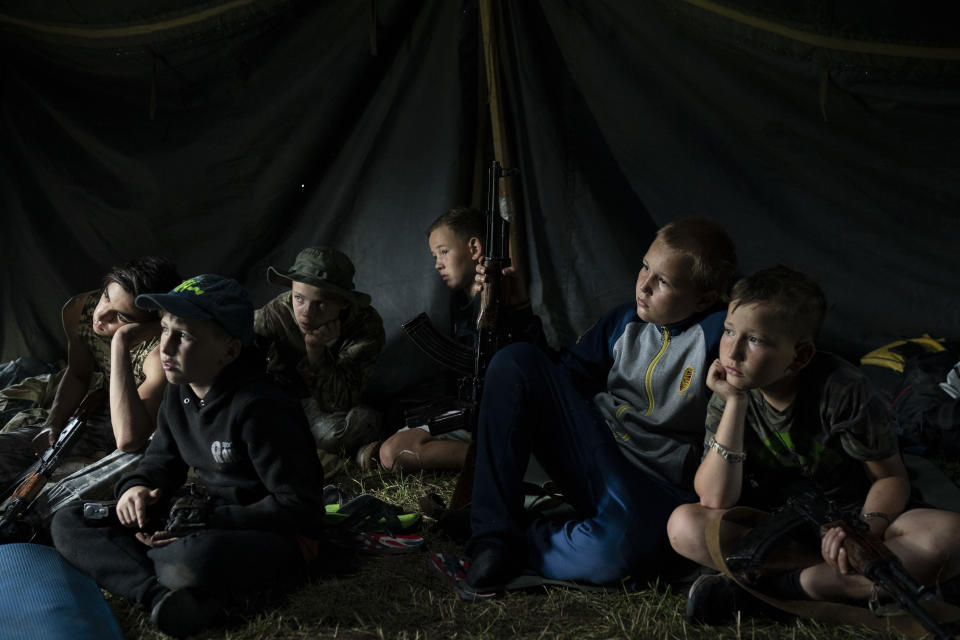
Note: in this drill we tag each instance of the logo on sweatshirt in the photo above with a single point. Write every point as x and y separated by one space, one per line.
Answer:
222 452
685 380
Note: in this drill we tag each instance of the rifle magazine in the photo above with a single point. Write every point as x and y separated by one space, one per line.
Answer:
439 347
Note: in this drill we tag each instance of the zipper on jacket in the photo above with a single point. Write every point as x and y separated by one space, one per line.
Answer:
648 379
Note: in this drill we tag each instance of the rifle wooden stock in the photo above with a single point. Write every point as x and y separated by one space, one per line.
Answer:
491 296
37 477
873 559
862 552
30 488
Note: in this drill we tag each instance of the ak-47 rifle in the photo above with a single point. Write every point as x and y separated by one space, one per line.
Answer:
471 364
870 557
12 526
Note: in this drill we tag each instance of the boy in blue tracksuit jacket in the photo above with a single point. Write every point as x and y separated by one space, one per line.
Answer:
616 419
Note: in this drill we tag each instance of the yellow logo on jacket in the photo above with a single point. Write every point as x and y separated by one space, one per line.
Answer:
685 380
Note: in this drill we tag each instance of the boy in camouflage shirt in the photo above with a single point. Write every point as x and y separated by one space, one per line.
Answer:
322 339
785 419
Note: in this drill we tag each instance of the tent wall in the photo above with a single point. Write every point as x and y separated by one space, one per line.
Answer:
227 136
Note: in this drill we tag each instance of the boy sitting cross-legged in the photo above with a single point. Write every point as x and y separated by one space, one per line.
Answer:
615 420
785 419
251 449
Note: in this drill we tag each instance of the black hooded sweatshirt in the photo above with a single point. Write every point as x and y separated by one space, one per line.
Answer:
250 446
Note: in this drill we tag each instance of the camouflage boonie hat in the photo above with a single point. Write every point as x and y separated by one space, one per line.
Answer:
325 268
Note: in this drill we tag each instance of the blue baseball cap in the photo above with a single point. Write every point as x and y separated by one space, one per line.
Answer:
208 297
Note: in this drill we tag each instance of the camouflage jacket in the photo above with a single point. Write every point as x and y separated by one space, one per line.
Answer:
338 381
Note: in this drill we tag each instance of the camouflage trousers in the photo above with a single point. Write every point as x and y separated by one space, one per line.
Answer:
342 431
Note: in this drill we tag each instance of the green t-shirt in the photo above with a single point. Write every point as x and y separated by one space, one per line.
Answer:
835 423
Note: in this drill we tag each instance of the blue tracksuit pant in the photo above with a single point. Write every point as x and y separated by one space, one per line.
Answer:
529 406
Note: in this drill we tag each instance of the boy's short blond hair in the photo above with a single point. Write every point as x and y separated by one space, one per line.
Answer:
708 245
792 297
465 223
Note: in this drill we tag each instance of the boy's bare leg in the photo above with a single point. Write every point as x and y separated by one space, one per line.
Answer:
416 449
687 532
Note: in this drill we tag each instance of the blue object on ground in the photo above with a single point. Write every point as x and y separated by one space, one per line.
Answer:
43 596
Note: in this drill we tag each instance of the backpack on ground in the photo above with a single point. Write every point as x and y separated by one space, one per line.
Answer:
920 378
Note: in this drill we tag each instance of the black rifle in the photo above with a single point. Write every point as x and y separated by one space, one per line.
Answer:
870 557
471 364
12 526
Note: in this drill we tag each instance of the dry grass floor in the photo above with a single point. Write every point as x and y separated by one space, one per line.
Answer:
399 597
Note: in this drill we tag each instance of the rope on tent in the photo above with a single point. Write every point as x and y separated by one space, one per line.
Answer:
828 42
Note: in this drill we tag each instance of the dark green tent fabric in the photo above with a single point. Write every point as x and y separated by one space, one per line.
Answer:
228 135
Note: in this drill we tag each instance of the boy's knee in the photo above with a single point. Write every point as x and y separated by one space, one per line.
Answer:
517 354
936 532
178 575
388 453
404 444
685 529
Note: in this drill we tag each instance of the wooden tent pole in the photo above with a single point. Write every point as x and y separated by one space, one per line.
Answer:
489 26
462 493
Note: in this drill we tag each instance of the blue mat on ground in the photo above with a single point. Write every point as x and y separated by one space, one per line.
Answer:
42 596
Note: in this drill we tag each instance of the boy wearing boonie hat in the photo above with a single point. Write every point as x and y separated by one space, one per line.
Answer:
322 339
249 446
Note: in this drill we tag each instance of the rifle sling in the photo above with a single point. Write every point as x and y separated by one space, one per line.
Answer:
832 612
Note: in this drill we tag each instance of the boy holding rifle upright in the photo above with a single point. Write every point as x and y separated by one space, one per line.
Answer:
786 421
456 242
615 421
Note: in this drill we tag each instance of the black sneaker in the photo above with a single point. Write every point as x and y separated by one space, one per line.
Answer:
489 568
181 613
715 599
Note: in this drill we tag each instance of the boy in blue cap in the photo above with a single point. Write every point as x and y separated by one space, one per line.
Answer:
249 446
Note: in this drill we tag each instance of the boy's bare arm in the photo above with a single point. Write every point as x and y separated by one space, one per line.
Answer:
888 494
886 499
718 482
133 410
76 379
